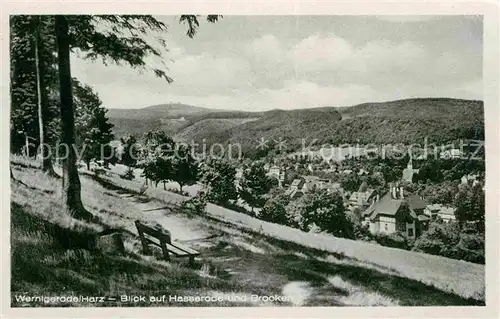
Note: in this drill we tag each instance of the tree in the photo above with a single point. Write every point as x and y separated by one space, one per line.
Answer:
93 130
326 211
129 152
254 185
33 79
41 25
442 193
219 177
154 157
350 182
430 171
469 203
184 168
118 46
275 210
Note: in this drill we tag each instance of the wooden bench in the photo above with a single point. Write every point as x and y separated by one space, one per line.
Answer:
165 243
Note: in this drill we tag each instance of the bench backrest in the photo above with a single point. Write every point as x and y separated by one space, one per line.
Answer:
143 229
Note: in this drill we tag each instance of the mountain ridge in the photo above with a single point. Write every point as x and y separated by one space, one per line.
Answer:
399 121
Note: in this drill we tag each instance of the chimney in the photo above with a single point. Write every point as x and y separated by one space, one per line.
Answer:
378 198
394 195
401 192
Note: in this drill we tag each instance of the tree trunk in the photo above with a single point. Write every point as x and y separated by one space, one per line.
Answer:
71 182
88 165
164 186
42 98
180 186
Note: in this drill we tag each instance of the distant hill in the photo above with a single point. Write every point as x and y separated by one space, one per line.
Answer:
170 110
402 121
168 117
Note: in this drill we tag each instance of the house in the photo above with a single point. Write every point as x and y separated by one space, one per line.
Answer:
395 213
347 171
361 199
275 172
296 188
409 171
447 214
469 179
450 154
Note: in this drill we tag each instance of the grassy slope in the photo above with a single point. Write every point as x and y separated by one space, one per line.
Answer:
241 260
455 276
42 264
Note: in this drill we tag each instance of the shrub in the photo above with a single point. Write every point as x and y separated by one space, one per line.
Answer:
274 210
129 174
394 240
195 205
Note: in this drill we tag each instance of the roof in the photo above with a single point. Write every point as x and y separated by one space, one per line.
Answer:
386 205
363 195
447 211
294 192
434 207
416 202
310 178
389 206
296 182
423 218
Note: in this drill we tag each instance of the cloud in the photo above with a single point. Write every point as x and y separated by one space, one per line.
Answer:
265 48
334 53
207 71
317 51
307 69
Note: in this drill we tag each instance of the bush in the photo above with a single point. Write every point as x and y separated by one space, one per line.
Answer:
195 205
362 232
129 174
237 208
274 210
446 239
394 240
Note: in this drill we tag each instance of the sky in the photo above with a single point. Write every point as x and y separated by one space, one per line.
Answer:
256 63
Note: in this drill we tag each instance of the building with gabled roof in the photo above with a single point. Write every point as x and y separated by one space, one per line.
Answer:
395 213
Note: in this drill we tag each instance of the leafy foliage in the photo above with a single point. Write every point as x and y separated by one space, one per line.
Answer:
325 211
93 131
275 210
219 177
129 153
469 203
447 239
183 166
254 185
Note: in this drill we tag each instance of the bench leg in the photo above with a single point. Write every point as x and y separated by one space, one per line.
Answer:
166 256
145 247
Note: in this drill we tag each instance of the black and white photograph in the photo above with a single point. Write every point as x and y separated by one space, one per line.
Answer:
218 160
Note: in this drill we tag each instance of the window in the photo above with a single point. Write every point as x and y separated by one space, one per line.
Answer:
410 232
385 226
